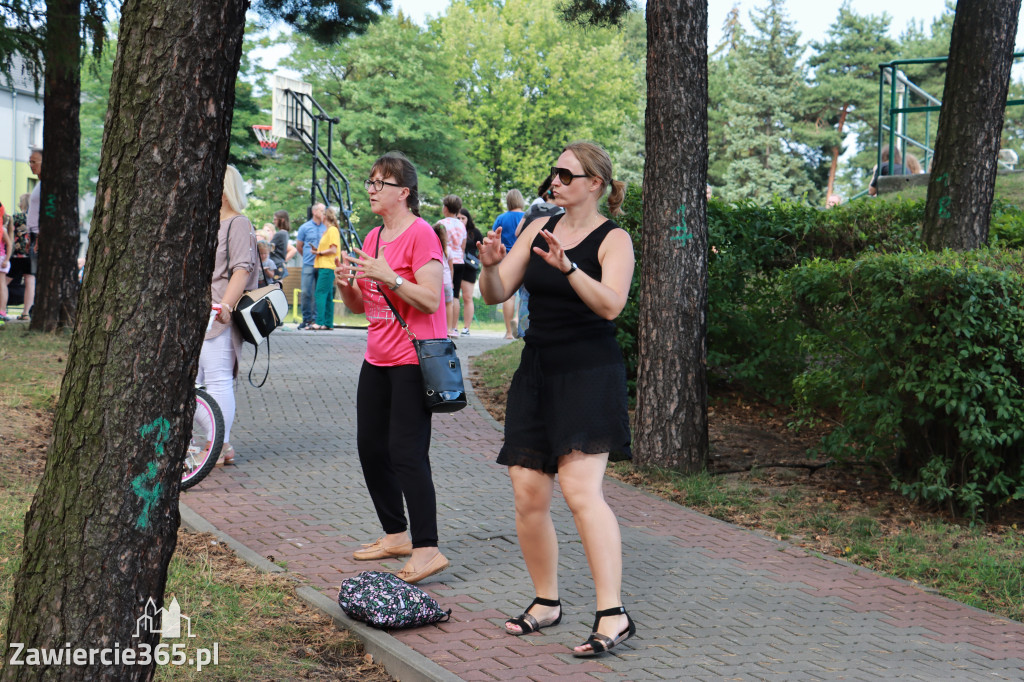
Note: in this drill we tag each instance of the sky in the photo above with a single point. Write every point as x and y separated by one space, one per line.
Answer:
812 17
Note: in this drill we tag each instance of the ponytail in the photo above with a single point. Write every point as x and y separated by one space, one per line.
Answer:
617 196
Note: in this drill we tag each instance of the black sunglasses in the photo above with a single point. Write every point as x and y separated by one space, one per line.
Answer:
565 175
378 184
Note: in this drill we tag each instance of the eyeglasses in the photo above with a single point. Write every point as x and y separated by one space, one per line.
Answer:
565 175
378 185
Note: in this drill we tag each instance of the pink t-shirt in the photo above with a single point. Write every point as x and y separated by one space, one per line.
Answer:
387 344
456 236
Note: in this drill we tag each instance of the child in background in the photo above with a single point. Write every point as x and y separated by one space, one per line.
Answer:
449 291
267 263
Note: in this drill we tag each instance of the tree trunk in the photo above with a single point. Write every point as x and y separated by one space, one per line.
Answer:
671 427
835 153
57 278
102 526
963 174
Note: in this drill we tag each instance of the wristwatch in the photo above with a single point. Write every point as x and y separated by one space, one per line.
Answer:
572 268
398 282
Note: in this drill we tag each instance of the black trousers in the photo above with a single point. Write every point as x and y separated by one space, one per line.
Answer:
393 436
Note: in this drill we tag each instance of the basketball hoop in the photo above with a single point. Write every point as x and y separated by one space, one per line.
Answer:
268 141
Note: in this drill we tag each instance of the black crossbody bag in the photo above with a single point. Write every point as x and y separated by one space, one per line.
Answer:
444 390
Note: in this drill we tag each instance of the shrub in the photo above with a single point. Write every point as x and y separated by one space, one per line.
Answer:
751 332
920 354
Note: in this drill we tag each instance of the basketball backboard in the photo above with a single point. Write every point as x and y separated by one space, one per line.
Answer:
285 108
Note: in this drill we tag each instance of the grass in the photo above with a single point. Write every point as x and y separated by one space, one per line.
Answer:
262 630
31 368
496 367
979 565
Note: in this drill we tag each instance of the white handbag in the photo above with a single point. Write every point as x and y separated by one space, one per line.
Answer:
259 312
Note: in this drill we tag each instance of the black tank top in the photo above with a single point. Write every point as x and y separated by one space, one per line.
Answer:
557 314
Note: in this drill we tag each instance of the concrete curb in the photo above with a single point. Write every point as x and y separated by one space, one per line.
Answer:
400 661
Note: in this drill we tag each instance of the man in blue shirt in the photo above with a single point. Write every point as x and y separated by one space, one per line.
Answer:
508 222
308 239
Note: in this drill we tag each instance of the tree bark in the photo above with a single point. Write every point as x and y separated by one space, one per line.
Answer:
671 427
963 174
57 277
102 527
835 153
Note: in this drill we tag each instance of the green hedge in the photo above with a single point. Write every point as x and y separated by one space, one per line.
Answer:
921 357
914 355
751 333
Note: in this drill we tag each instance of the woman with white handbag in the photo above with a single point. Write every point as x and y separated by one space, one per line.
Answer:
235 270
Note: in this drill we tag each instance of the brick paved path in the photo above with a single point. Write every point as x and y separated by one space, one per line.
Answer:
711 601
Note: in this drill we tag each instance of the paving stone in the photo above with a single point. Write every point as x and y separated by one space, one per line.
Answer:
711 601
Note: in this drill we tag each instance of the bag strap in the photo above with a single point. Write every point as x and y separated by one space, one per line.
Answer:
256 354
262 280
398 315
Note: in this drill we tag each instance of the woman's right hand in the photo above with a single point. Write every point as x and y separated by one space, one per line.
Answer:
491 251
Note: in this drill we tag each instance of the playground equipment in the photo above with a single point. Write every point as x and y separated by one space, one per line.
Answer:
901 101
297 116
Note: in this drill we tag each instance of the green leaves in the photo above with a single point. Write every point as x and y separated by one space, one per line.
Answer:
926 368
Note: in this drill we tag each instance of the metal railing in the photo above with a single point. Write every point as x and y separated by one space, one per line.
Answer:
304 117
890 73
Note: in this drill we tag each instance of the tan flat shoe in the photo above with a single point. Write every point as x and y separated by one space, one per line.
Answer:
377 550
413 575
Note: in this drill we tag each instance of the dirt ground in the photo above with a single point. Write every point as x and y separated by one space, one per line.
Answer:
317 640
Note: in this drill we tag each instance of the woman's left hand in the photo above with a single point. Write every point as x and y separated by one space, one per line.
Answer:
555 255
224 316
373 268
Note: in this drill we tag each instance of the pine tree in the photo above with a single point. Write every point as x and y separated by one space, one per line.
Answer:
764 152
844 95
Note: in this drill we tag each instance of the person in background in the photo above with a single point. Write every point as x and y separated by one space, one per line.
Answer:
35 164
20 262
327 254
833 200
469 273
235 271
912 164
566 411
267 263
449 296
305 242
508 221
283 251
6 248
401 260
897 169
456 230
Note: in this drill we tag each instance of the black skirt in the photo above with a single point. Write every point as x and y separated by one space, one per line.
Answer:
563 398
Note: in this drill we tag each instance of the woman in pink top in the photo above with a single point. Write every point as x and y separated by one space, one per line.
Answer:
401 259
456 230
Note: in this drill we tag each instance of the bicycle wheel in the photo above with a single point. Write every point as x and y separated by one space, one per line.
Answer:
207 440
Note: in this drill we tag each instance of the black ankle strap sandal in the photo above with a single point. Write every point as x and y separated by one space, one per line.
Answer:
527 623
601 643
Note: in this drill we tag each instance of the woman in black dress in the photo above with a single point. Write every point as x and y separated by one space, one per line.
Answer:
566 411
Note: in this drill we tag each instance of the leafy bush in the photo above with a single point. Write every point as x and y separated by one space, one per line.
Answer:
1006 227
752 334
920 354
